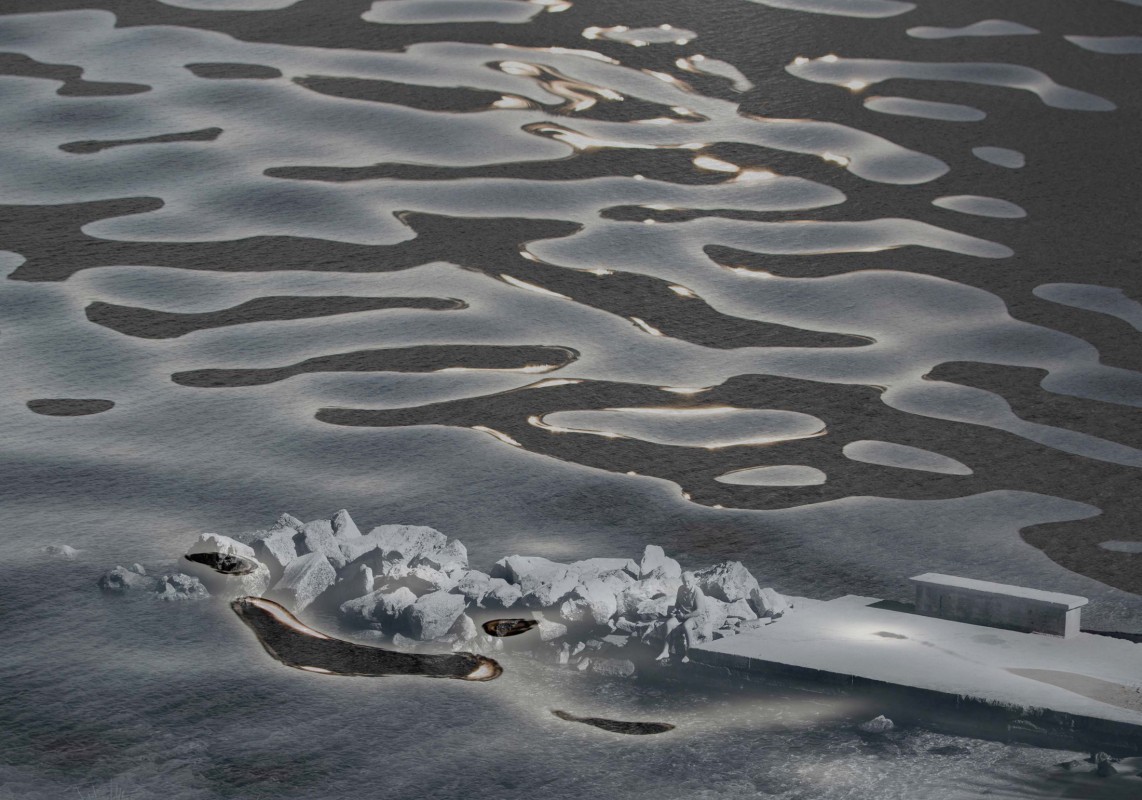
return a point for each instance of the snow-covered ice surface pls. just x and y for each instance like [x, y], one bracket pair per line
[987, 27]
[1101, 299]
[189, 706]
[983, 206]
[264, 255]
[925, 109]
[1023, 670]
[1113, 45]
[1001, 156]
[889, 454]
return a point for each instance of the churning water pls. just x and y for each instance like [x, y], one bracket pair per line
[844, 289]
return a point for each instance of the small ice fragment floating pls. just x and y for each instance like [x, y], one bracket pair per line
[297, 645]
[224, 563]
[508, 627]
[618, 726]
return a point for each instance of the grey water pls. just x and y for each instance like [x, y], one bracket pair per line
[844, 289]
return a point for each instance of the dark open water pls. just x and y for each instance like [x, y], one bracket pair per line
[551, 278]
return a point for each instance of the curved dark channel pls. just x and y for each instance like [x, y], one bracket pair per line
[852, 413]
[461, 100]
[469, 242]
[1022, 388]
[429, 358]
[74, 84]
[490, 246]
[148, 323]
[455, 100]
[618, 726]
[229, 71]
[845, 290]
[296, 645]
[97, 145]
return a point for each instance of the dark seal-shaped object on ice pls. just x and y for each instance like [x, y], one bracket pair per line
[508, 627]
[297, 645]
[618, 726]
[225, 563]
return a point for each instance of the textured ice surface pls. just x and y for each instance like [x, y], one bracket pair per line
[1114, 45]
[888, 454]
[871, 9]
[812, 276]
[1100, 299]
[987, 27]
[981, 206]
[866, 71]
[1001, 156]
[925, 109]
[780, 475]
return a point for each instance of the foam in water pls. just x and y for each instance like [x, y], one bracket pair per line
[987, 27]
[1121, 547]
[889, 454]
[231, 5]
[781, 475]
[1113, 45]
[924, 109]
[702, 65]
[867, 71]
[709, 427]
[641, 37]
[867, 9]
[981, 206]
[414, 12]
[1001, 156]
[1100, 299]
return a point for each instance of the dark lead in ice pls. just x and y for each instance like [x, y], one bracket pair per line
[69, 407]
[618, 726]
[508, 627]
[225, 563]
[297, 645]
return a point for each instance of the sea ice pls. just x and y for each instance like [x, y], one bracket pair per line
[543, 583]
[304, 580]
[61, 551]
[434, 614]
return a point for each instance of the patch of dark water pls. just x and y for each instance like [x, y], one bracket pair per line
[74, 85]
[228, 71]
[297, 645]
[89, 146]
[69, 407]
[477, 243]
[147, 323]
[454, 100]
[427, 358]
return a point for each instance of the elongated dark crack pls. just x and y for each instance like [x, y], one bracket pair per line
[69, 407]
[618, 726]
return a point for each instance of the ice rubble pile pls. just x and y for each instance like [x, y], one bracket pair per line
[413, 584]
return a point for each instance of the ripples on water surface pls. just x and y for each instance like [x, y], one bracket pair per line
[842, 288]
